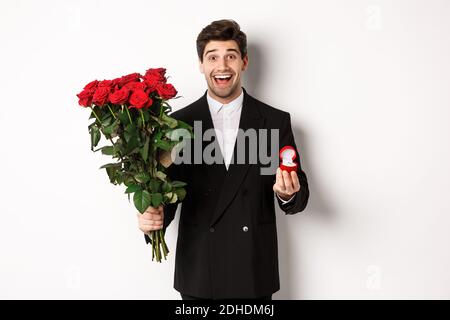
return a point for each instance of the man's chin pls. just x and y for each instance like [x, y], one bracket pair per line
[223, 93]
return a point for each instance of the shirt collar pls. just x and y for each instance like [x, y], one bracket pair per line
[216, 106]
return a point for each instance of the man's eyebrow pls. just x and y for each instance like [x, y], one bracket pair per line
[233, 50]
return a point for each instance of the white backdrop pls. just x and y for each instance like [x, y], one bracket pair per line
[366, 82]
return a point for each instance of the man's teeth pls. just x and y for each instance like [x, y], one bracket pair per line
[222, 77]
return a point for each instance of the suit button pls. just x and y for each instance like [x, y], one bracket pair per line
[211, 229]
[245, 228]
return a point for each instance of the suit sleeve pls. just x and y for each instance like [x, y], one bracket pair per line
[300, 200]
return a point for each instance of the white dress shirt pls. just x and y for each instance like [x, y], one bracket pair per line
[226, 119]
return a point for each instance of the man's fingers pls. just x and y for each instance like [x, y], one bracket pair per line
[279, 182]
[151, 219]
[147, 229]
[288, 182]
[150, 225]
[151, 216]
[295, 181]
[150, 222]
[152, 210]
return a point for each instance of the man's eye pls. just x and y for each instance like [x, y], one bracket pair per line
[212, 58]
[231, 56]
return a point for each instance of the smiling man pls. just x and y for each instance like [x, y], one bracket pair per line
[227, 236]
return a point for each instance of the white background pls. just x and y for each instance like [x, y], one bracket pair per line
[366, 82]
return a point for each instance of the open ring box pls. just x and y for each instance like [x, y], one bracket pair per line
[287, 156]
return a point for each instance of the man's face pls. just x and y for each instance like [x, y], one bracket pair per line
[222, 66]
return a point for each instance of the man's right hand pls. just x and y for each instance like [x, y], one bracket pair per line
[152, 219]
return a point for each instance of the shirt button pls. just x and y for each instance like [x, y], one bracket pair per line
[245, 228]
[211, 229]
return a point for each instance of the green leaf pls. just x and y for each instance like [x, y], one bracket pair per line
[181, 193]
[156, 119]
[111, 171]
[171, 134]
[132, 145]
[123, 117]
[144, 150]
[154, 185]
[108, 150]
[156, 199]
[106, 119]
[161, 175]
[166, 187]
[171, 122]
[95, 137]
[119, 177]
[129, 180]
[110, 165]
[184, 125]
[142, 177]
[130, 130]
[142, 200]
[112, 128]
[133, 188]
[164, 145]
[178, 184]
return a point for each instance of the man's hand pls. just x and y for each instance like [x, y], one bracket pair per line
[152, 219]
[286, 184]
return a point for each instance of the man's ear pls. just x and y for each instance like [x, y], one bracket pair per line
[200, 66]
[245, 62]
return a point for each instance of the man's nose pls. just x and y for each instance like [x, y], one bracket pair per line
[223, 64]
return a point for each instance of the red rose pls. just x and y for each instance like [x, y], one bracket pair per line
[101, 95]
[135, 86]
[166, 91]
[106, 84]
[133, 77]
[151, 83]
[91, 85]
[157, 74]
[85, 98]
[116, 83]
[119, 96]
[139, 99]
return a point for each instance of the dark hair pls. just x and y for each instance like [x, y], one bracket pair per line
[221, 30]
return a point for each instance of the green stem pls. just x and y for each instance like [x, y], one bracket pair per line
[153, 244]
[161, 109]
[163, 244]
[142, 115]
[96, 115]
[112, 112]
[129, 117]
[158, 250]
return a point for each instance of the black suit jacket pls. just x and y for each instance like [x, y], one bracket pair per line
[227, 235]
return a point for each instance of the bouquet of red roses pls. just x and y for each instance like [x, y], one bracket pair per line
[131, 112]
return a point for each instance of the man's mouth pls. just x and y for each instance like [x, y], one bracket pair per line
[222, 79]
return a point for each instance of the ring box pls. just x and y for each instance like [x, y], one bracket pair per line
[287, 156]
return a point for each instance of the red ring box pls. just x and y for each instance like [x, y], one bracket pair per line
[287, 156]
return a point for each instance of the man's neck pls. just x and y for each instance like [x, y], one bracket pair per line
[228, 99]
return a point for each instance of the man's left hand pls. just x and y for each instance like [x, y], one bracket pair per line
[286, 185]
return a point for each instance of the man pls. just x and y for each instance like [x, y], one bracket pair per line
[227, 236]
